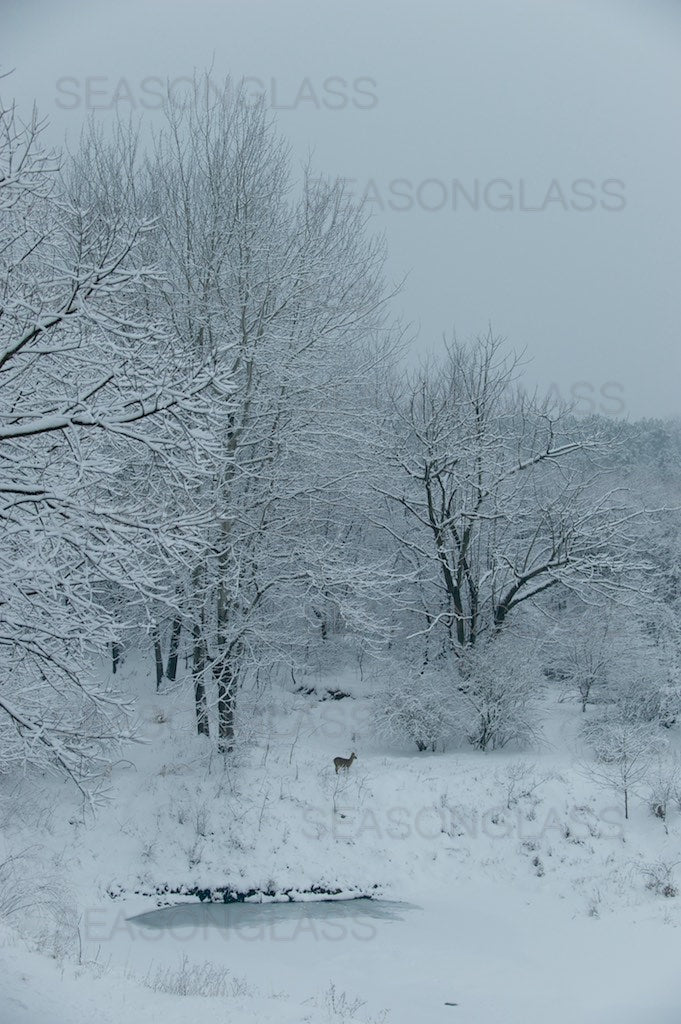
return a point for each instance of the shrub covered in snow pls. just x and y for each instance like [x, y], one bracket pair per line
[489, 696]
[623, 751]
[194, 979]
[500, 688]
[660, 879]
[419, 706]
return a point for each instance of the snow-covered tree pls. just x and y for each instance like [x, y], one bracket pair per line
[279, 288]
[84, 390]
[496, 499]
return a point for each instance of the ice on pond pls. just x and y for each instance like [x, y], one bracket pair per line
[192, 917]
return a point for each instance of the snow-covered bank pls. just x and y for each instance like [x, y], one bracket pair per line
[530, 901]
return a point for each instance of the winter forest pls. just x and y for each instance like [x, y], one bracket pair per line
[245, 530]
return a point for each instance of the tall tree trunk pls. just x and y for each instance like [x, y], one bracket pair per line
[198, 670]
[199, 655]
[322, 623]
[226, 682]
[116, 652]
[175, 634]
[158, 657]
[224, 671]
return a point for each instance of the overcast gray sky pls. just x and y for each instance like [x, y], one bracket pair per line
[522, 157]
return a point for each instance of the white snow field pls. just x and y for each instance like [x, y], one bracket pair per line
[527, 897]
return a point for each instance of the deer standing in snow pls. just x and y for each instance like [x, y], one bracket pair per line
[343, 762]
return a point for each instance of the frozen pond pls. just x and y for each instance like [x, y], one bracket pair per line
[483, 953]
[187, 919]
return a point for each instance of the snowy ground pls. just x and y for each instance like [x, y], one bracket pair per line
[526, 889]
